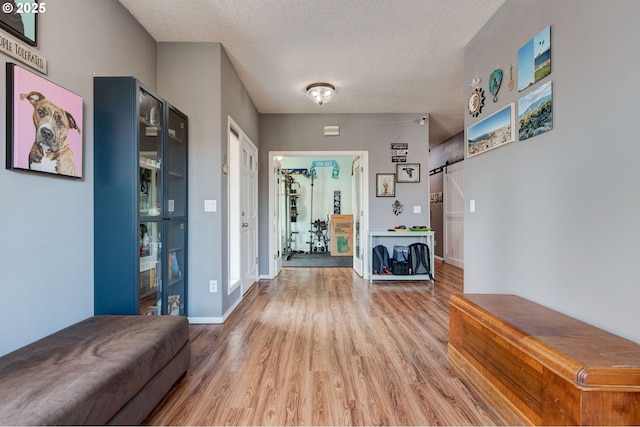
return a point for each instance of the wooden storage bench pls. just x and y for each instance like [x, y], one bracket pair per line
[549, 368]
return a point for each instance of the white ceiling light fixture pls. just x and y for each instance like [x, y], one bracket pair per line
[321, 93]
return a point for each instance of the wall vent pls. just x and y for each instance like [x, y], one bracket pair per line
[332, 131]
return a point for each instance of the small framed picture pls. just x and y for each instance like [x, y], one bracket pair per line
[408, 172]
[385, 185]
[20, 19]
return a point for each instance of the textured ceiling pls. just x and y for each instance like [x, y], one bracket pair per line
[383, 56]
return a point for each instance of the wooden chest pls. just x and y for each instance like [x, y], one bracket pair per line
[549, 368]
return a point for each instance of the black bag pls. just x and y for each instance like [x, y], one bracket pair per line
[420, 259]
[380, 260]
[400, 268]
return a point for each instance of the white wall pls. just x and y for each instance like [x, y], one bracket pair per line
[556, 215]
[46, 222]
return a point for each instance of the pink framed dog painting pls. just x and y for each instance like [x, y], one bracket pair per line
[44, 125]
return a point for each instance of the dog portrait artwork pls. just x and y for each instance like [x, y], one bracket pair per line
[44, 131]
[50, 151]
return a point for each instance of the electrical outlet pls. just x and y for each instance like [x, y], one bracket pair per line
[213, 286]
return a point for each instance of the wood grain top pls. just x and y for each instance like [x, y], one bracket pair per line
[590, 356]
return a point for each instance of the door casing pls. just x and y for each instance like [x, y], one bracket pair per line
[243, 266]
[273, 159]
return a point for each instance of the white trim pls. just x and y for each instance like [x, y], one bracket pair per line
[215, 320]
[234, 265]
[233, 285]
[205, 320]
[242, 138]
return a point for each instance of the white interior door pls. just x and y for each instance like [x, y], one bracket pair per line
[249, 212]
[454, 214]
[358, 214]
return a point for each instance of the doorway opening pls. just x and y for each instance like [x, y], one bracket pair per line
[317, 204]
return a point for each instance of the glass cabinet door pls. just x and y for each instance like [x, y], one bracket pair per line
[177, 165]
[150, 118]
[150, 137]
[150, 287]
[176, 262]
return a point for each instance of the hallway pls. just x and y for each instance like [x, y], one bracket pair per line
[321, 346]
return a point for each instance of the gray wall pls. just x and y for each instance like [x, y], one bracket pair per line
[46, 222]
[236, 104]
[556, 215]
[196, 92]
[201, 81]
[358, 132]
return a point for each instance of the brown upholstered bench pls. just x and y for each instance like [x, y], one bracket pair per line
[549, 368]
[103, 370]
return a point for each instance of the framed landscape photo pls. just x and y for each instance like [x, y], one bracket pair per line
[408, 172]
[535, 112]
[20, 18]
[494, 131]
[44, 123]
[385, 185]
[534, 59]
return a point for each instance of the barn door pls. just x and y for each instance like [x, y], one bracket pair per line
[454, 215]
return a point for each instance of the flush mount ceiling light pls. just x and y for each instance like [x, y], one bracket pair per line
[321, 93]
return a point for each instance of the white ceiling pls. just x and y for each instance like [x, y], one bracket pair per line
[383, 56]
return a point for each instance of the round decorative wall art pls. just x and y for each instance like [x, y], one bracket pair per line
[476, 102]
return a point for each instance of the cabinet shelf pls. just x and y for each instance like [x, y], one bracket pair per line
[145, 217]
[149, 164]
[146, 123]
[176, 139]
[175, 281]
[147, 293]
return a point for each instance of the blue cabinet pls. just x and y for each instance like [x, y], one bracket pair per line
[140, 200]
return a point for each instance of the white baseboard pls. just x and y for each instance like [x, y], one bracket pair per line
[214, 320]
[205, 320]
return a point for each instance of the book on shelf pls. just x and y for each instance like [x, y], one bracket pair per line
[174, 268]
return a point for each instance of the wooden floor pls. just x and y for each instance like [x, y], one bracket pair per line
[321, 346]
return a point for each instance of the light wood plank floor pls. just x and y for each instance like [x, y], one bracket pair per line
[321, 346]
